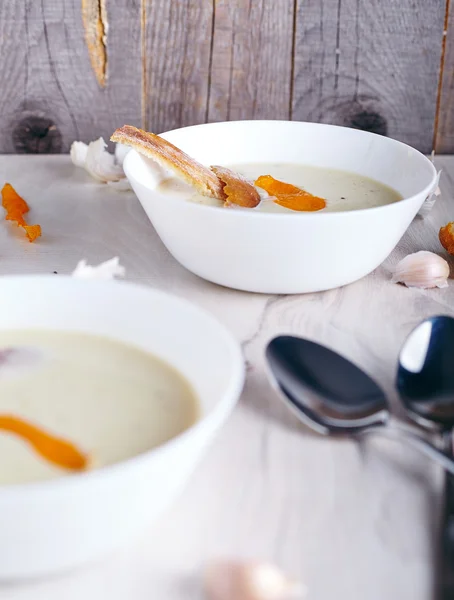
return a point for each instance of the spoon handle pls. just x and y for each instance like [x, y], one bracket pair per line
[446, 581]
[416, 441]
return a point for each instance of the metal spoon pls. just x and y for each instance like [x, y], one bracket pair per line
[425, 380]
[425, 377]
[333, 396]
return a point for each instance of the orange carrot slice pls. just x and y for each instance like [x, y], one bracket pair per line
[289, 195]
[56, 450]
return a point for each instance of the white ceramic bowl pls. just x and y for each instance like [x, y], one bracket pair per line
[285, 253]
[55, 525]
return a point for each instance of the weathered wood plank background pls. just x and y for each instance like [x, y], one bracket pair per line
[77, 69]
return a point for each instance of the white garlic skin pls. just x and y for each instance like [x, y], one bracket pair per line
[422, 270]
[106, 270]
[95, 159]
[234, 580]
[429, 202]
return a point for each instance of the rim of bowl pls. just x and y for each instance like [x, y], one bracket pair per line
[250, 212]
[215, 417]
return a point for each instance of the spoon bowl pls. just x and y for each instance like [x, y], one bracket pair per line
[333, 396]
[346, 401]
[425, 376]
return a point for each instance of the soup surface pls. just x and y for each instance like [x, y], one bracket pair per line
[111, 400]
[342, 190]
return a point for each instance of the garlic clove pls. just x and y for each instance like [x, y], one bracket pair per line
[106, 270]
[422, 270]
[228, 580]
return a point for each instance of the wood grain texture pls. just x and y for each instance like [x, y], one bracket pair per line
[162, 64]
[372, 65]
[251, 66]
[444, 134]
[177, 49]
[50, 96]
[366, 514]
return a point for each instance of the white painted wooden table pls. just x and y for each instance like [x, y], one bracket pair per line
[353, 521]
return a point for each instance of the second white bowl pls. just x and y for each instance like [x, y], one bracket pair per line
[55, 525]
[286, 253]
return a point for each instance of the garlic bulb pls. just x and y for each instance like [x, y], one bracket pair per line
[232, 580]
[423, 270]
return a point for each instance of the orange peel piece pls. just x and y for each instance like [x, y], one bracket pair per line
[289, 195]
[446, 237]
[16, 207]
[236, 188]
[54, 449]
[32, 232]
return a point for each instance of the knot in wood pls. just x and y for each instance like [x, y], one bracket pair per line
[36, 135]
[368, 121]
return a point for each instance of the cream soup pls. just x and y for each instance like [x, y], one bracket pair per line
[342, 190]
[111, 400]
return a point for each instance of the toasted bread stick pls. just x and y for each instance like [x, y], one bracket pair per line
[170, 157]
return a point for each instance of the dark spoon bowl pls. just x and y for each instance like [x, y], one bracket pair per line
[425, 376]
[338, 396]
[333, 396]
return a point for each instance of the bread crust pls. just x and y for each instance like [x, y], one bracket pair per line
[237, 189]
[170, 157]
